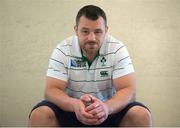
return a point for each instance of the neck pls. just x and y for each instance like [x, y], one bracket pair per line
[90, 55]
[91, 58]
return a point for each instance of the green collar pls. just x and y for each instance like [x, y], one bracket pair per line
[84, 58]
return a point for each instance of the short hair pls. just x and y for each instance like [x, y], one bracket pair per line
[91, 12]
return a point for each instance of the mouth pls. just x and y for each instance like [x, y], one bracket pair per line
[91, 43]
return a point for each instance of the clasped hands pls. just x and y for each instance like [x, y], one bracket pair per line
[90, 110]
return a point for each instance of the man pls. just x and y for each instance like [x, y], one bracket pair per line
[90, 80]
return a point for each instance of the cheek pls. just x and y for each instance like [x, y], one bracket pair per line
[81, 41]
[101, 39]
[82, 38]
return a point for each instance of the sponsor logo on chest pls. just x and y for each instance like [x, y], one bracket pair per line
[77, 63]
[104, 73]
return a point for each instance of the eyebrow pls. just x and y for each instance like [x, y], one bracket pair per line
[84, 28]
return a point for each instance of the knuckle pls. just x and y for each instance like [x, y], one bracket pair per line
[94, 105]
[83, 114]
[101, 115]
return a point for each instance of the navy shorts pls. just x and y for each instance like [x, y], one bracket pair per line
[68, 119]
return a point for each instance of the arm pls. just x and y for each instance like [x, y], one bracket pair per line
[54, 92]
[125, 94]
[125, 87]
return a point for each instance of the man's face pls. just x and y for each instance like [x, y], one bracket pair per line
[91, 34]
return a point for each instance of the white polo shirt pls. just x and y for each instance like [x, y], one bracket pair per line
[68, 64]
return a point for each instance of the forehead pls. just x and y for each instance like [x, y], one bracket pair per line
[88, 23]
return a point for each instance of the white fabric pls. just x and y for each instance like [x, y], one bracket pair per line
[66, 64]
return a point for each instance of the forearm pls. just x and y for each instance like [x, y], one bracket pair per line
[61, 99]
[120, 100]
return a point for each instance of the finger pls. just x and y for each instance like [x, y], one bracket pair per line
[96, 110]
[100, 115]
[87, 115]
[92, 106]
[83, 113]
[85, 98]
[94, 98]
[89, 121]
[100, 121]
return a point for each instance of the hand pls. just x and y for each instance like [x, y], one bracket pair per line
[83, 116]
[97, 108]
[86, 99]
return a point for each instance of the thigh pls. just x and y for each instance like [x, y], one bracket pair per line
[115, 119]
[69, 118]
[64, 118]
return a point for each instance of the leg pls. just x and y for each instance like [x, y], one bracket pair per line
[137, 116]
[43, 116]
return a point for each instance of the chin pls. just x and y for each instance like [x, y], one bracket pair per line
[91, 50]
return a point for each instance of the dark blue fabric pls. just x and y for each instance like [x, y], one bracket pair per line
[68, 119]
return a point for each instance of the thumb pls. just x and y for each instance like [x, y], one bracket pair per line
[93, 98]
[86, 98]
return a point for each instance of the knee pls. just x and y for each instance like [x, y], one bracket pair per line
[140, 114]
[42, 112]
[139, 111]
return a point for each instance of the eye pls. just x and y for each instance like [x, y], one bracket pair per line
[84, 32]
[98, 32]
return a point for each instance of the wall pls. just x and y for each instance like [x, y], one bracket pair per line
[30, 29]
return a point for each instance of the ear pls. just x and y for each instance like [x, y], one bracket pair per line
[106, 29]
[76, 29]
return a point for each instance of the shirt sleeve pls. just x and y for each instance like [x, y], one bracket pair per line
[123, 64]
[57, 65]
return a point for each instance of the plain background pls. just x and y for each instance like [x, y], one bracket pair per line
[30, 30]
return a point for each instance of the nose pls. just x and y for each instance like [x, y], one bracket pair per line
[91, 36]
